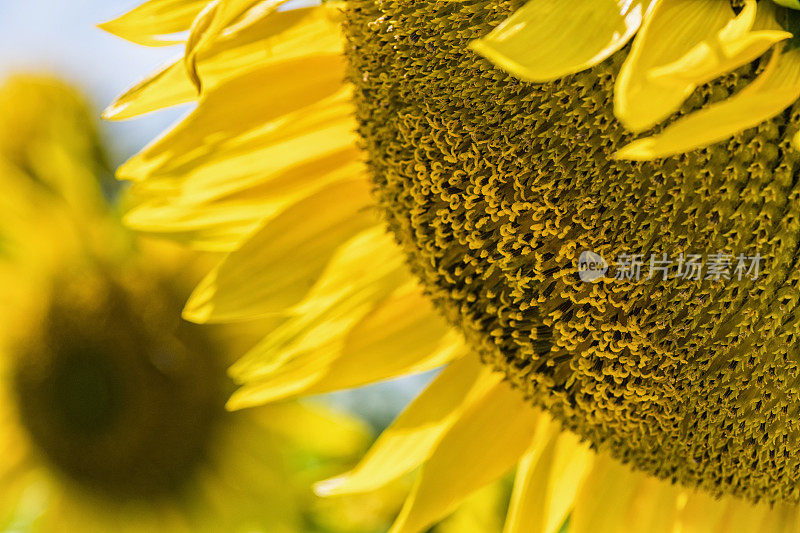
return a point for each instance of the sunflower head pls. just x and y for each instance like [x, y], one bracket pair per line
[495, 186]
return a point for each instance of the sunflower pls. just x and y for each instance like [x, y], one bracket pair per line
[111, 408]
[630, 129]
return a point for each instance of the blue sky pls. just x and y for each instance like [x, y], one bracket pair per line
[60, 37]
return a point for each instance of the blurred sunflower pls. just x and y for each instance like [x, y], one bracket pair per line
[111, 408]
[491, 187]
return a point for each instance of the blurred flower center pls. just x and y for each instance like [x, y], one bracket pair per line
[114, 402]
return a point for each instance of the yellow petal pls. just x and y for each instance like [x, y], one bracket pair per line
[631, 501]
[654, 506]
[737, 45]
[211, 187]
[743, 517]
[681, 46]
[275, 268]
[548, 39]
[269, 40]
[211, 22]
[218, 227]
[291, 145]
[403, 335]
[698, 512]
[154, 23]
[774, 90]
[607, 513]
[527, 510]
[230, 115]
[364, 271]
[408, 442]
[223, 223]
[488, 440]
[480, 513]
[306, 374]
[780, 518]
[166, 87]
[548, 480]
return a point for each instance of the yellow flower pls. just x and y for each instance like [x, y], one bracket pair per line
[111, 408]
[493, 187]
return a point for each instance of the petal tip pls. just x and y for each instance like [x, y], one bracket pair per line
[330, 487]
[113, 112]
[196, 313]
[636, 151]
[237, 402]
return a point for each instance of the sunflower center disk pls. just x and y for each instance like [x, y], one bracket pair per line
[111, 401]
[496, 188]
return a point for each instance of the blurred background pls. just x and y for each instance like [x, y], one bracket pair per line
[61, 39]
[57, 73]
